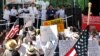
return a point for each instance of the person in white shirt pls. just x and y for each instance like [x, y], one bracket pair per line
[26, 15]
[23, 47]
[43, 10]
[38, 41]
[21, 32]
[20, 15]
[25, 9]
[14, 11]
[13, 15]
[6, 15]
[61, 12]
[20, 10]
[57, 11]
[33, 12]
[38, 18]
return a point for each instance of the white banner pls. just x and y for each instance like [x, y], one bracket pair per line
[19, 1]
[49, 39]
[48, 33]
[10, 1]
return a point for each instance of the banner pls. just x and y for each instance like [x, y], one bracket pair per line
[48, 32]
[49, 39]
[10, 1]
[94, 21]
[59, 22]
[19, 1]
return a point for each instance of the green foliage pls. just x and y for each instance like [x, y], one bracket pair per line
[80, 3]
[83, 3]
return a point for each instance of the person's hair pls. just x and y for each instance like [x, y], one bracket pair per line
[38, 32]
[32, 4]
[50, 5]
[15, 53]
[26, 29]
[5, 7]
[31, 28]
[14, 7]
[62, 6]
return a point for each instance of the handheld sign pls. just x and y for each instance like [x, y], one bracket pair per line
[59, 22]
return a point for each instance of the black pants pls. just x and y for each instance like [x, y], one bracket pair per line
[42, 55]
[39, 23]
[50, 18]
[70, 21]
[12, 20]
[21, 21]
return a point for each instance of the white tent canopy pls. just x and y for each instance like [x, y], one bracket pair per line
[18, 1]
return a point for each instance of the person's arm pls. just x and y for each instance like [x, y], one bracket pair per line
[19, 43]
[37, 51]
[4, 54]
[16, 13]
[1, 34]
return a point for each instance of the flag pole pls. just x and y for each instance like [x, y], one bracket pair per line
[89, 12]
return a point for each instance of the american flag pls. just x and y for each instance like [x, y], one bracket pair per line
[81, 46]
[14, 30]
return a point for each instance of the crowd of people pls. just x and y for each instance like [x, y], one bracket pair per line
[33, 12]
[41, 13]
[28, 41]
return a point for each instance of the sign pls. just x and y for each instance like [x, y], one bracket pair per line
[59, 22]
[49, 39]
[65, 45]
[93, 47]
[48, 33]
[94, 21]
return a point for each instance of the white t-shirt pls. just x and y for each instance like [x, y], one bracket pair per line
[6, 14]
[25, 9]
[39, 45]
[22, 49]
[43, 14]
[14, 12]
[33, 10]
[20, 10]
[38, 41]
[21, 32]
[61, 13]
